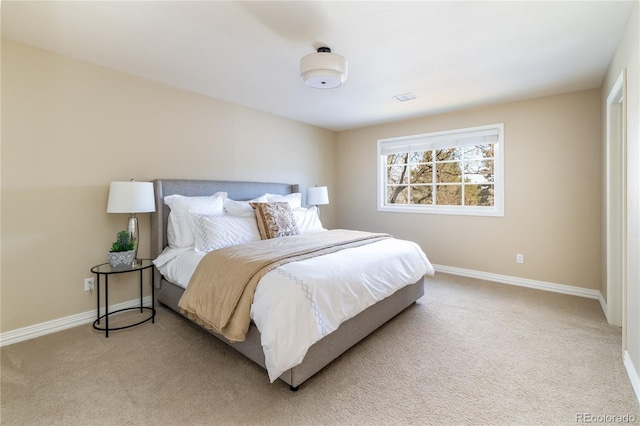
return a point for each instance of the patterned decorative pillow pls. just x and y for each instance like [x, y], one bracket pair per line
[275, 220]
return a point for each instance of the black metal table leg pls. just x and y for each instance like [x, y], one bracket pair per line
[141, 310]
[98, 298]
[153, 297]
[106, 306]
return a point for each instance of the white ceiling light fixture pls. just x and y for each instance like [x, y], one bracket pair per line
[323, 70]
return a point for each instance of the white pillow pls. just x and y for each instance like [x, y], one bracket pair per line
[242, 208]
[308, 220]
[294, 200]
[216, 232]
[179, 232]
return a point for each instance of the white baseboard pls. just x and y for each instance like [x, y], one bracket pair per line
[521, 282]
[547, 286]
[633, 374]
[603, 305]
[33, 331]
[53, 326]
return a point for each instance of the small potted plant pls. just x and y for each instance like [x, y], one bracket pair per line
[122, 251]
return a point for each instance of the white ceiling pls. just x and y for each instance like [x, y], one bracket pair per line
[450, 54]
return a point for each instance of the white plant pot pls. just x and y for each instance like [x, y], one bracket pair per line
[121, 259]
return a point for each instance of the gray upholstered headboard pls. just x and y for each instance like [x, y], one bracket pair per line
[191, 188]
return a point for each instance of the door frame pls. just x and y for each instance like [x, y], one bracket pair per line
[616, 205]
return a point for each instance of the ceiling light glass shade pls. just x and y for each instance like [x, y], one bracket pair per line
[131, 197]
[323, 70]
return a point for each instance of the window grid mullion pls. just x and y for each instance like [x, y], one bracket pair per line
[464, 149]
[409, 179]
[433, 177]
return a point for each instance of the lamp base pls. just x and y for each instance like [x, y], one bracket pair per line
[134, 235]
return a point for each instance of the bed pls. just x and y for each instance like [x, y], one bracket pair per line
[320, 353]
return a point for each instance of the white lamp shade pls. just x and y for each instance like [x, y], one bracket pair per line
[323, 70]
[131, 197]
[317, 195]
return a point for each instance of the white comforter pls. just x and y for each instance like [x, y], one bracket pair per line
[297, 304]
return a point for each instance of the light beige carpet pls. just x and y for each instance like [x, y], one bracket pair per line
[469, 352]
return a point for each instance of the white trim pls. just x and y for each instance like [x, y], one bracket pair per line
[547, 286]
[438, 140]
[48, 327]
[633, 374]
[33, 331]
[603, 305]
[521, 282]
[615, 217]
[450, 210]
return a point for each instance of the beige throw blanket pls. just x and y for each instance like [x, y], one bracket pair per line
[220, 292]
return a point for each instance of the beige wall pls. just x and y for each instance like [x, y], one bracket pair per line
[69, 128]
[627, 57]
[552, 192]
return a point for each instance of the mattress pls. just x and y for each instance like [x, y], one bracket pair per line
[297, 304]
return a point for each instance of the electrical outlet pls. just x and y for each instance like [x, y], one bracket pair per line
[519, 258]
[89, 284]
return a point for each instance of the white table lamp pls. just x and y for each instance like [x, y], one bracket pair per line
[317, 196]
[131, 197]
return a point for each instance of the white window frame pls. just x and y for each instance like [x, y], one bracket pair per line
[439, 140]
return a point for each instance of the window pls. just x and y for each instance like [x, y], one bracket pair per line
[451, 172]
